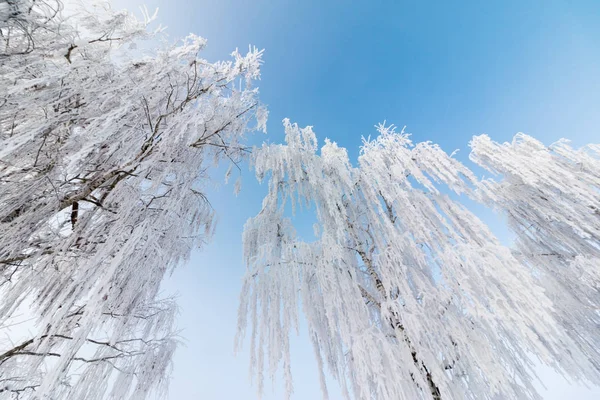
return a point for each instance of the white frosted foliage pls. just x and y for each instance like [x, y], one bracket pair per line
[551, 199]
[407, 294]
[103, 163]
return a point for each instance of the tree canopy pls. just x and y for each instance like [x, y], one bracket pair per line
[104, 155]
[406, 293]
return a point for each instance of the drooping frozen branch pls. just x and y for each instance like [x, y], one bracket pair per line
[550, 197]
[406, 293]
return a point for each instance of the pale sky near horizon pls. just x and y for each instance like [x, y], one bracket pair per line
[446, 71]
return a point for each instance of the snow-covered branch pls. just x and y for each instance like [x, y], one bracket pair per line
[103, 166]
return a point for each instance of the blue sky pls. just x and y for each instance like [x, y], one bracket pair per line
[447, 70]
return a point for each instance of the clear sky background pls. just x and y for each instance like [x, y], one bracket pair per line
[447, 70]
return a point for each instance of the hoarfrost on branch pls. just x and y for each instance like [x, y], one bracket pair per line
[406, 293]
[103, 160]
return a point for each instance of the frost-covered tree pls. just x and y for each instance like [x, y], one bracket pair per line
[135, 362]
[551, 199]
[103, 161]
[406, 294]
